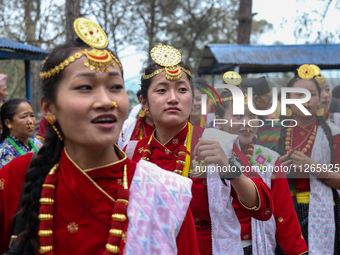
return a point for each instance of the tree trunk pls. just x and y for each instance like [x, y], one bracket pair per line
[244, 22]
[72, 11]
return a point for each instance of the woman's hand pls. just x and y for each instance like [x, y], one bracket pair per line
[211, 152]
[300, 160]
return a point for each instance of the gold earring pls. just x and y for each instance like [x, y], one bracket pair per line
[9, 126]
[115, 104]
[289, 112]
[147, 112]
[320, 112]
[142, 113]
[123, 139]
[51, 121]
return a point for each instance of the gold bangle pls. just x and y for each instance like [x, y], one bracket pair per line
[45, 249]
[43, 233]
[46, 201]
[48, 186]
[124, 201]
[116, 232]
[112, 248]
[43, 217]
[119, 217]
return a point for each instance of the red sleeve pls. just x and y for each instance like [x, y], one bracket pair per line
[265, 209]
[12, 177]
[288, 232]
[186, 239]
[42, 127]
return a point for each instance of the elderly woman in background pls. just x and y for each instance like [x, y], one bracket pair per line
[17, 119]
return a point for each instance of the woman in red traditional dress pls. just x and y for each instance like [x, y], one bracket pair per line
[167, 94]
[283, 227]
[310, 146]
[81, 194]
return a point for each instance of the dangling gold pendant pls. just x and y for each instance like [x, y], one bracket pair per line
[98, 60]
[173, 73]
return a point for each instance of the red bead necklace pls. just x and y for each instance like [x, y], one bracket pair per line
[47, 209]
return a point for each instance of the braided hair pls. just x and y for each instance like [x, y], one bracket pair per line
[320, 119]
[49, 154]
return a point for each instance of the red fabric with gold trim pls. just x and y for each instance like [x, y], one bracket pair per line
[199, 204]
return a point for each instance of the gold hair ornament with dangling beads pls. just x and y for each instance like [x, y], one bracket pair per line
[51, 121]
[169, 58]
[97, 59]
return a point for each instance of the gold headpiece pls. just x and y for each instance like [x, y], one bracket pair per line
[307, 72]
[320, 79]
[97, 59]
[169, 58]
[232, 78]
[225, 99]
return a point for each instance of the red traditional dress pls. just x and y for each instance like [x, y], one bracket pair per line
[285, 229]
[134, 129]
[310, 206]
[166, 156]
[84, 202]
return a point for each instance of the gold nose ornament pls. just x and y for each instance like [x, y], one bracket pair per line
[30, 125]
[114, 103]
[248, 129]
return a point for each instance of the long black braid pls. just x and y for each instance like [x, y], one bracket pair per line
[320, 119]
[49, 154]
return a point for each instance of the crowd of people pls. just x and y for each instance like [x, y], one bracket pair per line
[96, 180]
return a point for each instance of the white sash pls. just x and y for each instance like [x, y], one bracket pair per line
[158, 204]
[263, 232]
[321, 225]
[225, 227]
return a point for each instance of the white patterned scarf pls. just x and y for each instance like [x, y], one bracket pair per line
[225, 227]
[321, 224]
[158, 203]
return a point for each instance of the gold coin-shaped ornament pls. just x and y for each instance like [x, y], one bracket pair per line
[306, 72]
[91, 33]
[165, 55]
[232, 78]
[316, 69]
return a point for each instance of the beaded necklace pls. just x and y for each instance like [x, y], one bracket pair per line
[183, 159]
[17, 147]
[290, 138]
[46, 214]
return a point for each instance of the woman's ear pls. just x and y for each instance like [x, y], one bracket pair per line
[144, 103]
[47, 109]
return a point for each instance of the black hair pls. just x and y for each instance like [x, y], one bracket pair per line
[49, 154]
[320, 119]
[138, 94]
[220, 109]
[2, 100]
[152, 66]
[8, 110]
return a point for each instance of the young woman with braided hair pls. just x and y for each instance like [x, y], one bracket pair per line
[311, 151]
[167, 94]
[81, 194]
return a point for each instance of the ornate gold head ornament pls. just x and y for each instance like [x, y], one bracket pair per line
[169, 58]
[225, 99]
[307, 72]
[97, 59]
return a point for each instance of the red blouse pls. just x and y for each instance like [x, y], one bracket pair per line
[165, 156]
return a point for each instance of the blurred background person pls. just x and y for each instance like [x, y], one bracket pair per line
[3, 88]
[138, 125]
[17, 118]
[336, 93]
[2, 101]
